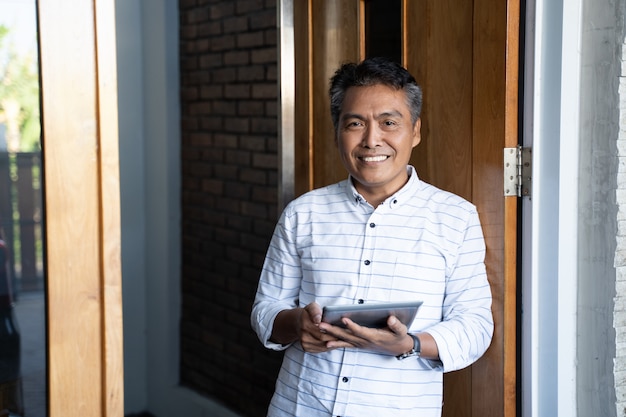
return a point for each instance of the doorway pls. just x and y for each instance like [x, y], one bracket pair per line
[466, 57]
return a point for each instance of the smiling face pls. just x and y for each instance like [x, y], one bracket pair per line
[375, 138]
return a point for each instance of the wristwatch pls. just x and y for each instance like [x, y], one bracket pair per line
[417, 349]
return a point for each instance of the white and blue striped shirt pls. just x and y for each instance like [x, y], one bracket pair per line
[332, 247]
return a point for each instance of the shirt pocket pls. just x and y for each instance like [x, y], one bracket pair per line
[328, 276]
[421, 277]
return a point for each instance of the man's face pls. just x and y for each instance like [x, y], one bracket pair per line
[375, 138]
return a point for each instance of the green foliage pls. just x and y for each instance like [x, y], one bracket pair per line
[19, 85]
[3, 33]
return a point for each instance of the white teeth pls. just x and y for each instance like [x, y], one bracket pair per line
[374, 158]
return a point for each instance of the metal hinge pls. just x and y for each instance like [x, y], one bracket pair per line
[517, 171]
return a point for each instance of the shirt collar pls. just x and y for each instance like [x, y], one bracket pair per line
[395, 200]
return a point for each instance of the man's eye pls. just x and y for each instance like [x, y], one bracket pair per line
[389, 123]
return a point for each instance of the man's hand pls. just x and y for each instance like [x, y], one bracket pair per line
[311, 338]
[305, 325]
[391, 340]
[302, 324]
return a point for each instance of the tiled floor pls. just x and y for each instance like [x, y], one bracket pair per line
[30, 317]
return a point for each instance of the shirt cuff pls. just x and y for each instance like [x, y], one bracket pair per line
[265, 325]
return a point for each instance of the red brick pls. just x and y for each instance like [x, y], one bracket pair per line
[252, 73]
[236, 91]
[250, 40]
[264, 56]
[247, 6]
[222, 43]
[265, 91]
[235, 24]
[250, 108]
[196, 15]
[264, 19]
[236, 58]
[222, 9]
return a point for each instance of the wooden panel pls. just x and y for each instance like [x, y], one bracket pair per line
[110, 238]
[71, 180]
[335, 40]
[303, 169]
[439, 55]
[79, 107]
[495, 84]
[489, 80]
[511, 139]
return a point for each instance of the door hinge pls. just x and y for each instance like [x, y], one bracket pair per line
[517, 171]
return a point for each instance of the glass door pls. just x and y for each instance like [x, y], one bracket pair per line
[22, 286]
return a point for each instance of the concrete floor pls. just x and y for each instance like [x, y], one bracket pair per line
[30, 317]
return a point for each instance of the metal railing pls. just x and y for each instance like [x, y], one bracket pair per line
[21, 217]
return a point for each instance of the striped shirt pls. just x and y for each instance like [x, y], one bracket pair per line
[332, 247]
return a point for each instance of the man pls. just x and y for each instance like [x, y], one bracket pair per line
[382, 235]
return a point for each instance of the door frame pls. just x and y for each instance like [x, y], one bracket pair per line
[78, 76]
[550, 224]
[504, 53]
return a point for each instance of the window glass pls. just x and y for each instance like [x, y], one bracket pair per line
[383, 29]
[22, 286]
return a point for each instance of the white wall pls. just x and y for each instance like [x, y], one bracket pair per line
[601, 40]
[162, 186]
[133, 200]
[149, 120]
[542, 380]
[147, 39]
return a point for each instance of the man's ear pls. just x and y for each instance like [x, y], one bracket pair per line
[417, 135]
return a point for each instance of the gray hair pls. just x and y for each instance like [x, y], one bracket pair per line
[373, 71]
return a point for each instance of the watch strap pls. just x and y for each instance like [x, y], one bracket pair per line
[417, 349]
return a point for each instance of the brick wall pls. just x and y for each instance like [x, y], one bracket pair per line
[228, 58]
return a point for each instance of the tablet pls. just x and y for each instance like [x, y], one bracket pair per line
[371, 315]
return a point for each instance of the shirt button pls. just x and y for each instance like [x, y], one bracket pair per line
[372, 225]
[345, 379]
[367, 262]
[361, 301]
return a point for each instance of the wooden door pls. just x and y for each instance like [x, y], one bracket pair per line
[82, 219]
[465, 56]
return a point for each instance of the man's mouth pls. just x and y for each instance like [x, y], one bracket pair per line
[377, 158]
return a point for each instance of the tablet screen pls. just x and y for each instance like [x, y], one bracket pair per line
[371, 315]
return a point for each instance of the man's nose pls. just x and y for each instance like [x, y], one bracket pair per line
[372, 137]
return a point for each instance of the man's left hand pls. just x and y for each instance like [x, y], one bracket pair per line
[391, 340]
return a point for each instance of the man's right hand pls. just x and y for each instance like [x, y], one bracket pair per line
[301, 324]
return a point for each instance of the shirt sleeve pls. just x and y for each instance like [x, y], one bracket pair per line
[465, 332]
[279, 283]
